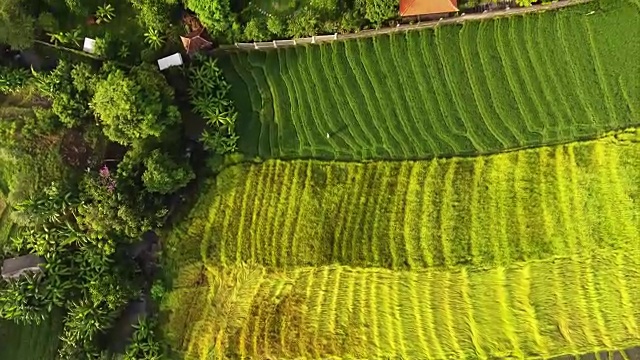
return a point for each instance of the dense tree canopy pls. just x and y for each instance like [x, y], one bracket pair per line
[17, 26]
[134, 106]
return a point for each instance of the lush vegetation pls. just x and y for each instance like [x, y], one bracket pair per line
[530, 253]
[537, 309]
[520, 254]
[481, 211]
[91, 156]
[478, 88]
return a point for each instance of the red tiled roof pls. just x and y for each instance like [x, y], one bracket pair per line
[427, 7]
[195, 41]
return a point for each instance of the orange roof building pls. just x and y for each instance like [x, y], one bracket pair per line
[427, 7]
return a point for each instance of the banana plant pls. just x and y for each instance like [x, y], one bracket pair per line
[154, 39]
[105, 13]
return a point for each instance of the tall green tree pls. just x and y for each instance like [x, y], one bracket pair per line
[216, 15]
[17, 25]
[134, 106]
[378, 11]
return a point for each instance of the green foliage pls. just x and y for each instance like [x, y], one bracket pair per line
[78, 7]
[69, 88]
[25, 300]
[105, 13]
[153, 14]
[144, 344]
[326, 6]
[108, 211]
[525, 3]
[69, 38]
[215, 15]
[51, 205]
[209, 94]
[304, 23]
[256, 30]
[134, 106]
[154, 39]
[276, 26]
[158, 290]
[378, 11]
[163, 175]
[48, 22]
[17, 26]
[85, 320]
[12, 80]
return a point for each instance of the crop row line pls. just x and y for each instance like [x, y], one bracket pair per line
[437, 213]
[523, 311]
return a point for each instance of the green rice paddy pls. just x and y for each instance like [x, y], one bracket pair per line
[481, 87]
[481, 211]
[30, 342]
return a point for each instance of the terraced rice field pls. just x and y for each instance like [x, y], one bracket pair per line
[479, 88]
[482, 211]
[533, 310]
[531, 253]
[30, 342]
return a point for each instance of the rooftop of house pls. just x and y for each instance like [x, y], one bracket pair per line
[427, 7]
[15, 267]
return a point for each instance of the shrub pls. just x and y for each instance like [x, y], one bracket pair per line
[525, 3]
[276, 26]
[144, 344]
[378, 11]
[48, 22]
[12, 79]
[216, 15]
[158, 290]
[17, 26]
[303, 23]
[256, 30]
[68, 103]
[105, 13]
[165, 176]
[153, 14]
[209, 97]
